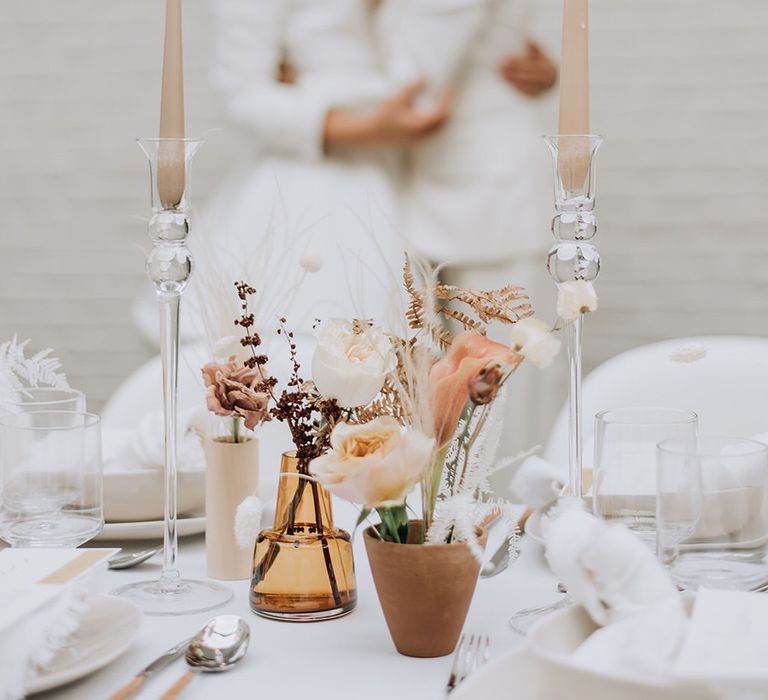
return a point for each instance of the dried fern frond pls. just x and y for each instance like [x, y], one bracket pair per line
[416, 307]
[38, 370]
[496, 305]
[387, 404]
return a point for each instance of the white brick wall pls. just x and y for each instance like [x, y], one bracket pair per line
[680, 88]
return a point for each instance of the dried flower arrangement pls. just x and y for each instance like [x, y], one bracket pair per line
[437, 418]
[386, 412]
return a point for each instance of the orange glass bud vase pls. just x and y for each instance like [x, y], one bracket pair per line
[303, 568]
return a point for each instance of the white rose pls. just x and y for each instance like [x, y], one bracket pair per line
[575, 298]
[534, 341]
[349, 364]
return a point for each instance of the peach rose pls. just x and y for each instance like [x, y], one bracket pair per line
[451, 377]
[374, 464]
[229, 391]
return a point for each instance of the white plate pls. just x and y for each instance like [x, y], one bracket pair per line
[508, 676]
[138, 496]
[106, 630]
[149, 529]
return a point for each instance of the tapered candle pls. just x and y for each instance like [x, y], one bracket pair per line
[573, 154]
[170, 160]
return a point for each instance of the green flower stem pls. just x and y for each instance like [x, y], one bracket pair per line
[394, 523]
[236, 429]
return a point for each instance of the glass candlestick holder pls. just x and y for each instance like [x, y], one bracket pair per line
[574, 257]
[169, 264]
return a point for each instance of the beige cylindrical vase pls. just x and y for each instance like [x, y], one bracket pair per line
[232, 474]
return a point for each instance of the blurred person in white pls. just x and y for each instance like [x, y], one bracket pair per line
[322, 128]
[477, 194]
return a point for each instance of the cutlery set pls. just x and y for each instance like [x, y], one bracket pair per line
[219, 645]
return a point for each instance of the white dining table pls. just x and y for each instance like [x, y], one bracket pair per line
[352, 657]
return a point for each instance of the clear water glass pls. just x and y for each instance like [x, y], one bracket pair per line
[45, 398]
[50, 478]
[624, 480]
[726, 545]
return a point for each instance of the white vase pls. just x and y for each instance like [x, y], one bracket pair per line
[232, 474]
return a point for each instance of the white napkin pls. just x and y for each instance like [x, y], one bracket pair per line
[537, 483]
[143, 448]
[644, 630]
[643, 645]
[624, 589]
[42, 596]
[728, 634]
[605, 567]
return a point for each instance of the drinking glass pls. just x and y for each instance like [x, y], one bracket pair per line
[50, 478]
[45, 398]
[624, 482]
[726, 545]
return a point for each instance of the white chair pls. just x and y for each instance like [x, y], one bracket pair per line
[728, 388]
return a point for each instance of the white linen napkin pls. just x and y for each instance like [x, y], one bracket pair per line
[143, 448]
[537, 483]
[42, 596]
[605, 567]
[728, 632]
[644, 631]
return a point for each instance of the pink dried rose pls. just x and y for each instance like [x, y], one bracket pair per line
[230, 391]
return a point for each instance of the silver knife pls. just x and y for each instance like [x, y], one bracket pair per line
[498, 562]
[168, 657]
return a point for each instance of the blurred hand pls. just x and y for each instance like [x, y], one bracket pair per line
[286, 73]
[532, 72]
[396, 122]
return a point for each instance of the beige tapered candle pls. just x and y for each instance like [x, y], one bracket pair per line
[170, 161]
[573, 155]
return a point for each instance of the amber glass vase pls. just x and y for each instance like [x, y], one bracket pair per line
[303, 569]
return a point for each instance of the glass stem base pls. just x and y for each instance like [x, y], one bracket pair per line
[182, 598]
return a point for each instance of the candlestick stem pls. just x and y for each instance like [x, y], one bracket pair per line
[575, 462]
[169, 335]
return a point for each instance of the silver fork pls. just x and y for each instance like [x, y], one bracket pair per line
[471, 653]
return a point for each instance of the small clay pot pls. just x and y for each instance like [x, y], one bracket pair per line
[425, 590]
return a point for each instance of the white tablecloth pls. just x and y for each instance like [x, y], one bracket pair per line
[352, 657]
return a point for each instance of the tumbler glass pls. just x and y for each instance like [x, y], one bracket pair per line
[726, 544]
[624, 482]
[44, 398]
[50, 478]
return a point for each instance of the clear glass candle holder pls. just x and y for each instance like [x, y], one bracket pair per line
[51, 483]
[574, 257]
[169, 265]
[712, 512]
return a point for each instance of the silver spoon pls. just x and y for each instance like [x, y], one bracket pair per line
[127, 560]
[215, 648]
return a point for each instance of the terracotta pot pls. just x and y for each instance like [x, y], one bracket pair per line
[425, 590]
[232, 474]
